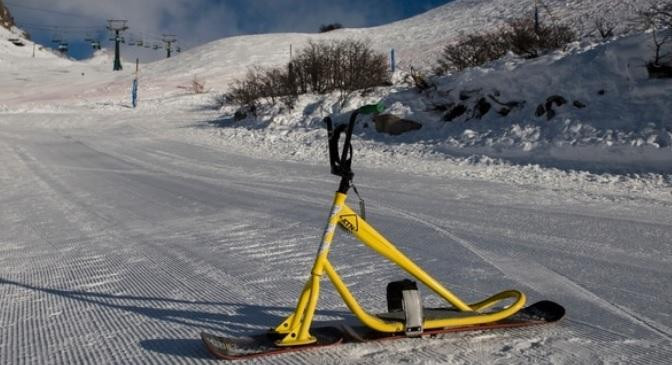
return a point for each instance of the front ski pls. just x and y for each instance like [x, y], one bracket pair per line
[542, 312]
[234, 348]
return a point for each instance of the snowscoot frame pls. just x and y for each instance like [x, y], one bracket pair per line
[296, 327]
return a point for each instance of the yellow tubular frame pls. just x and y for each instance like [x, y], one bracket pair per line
[296, 327]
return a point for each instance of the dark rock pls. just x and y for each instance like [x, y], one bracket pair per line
[659, 71]
[504, 111]
[467, 94]
[510, 104]
[391, 124]
[481, 109]
[455, 112]
[541, 110]
[550, 113]
[442, 107]
[579, 104]
[601, 92]
[239, 115]
[555, 99]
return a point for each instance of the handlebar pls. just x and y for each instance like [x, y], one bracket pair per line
[340, 165]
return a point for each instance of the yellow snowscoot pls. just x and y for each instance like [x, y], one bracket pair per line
[406, 317]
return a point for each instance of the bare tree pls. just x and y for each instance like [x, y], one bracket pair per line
[604, 26]
[657, 17]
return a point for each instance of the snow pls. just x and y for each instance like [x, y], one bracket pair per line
[126, 232]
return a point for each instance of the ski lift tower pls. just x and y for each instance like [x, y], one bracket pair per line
[117, 26]
[536, 17]
[169, 39]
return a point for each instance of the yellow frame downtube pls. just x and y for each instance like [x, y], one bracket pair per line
[301, 319]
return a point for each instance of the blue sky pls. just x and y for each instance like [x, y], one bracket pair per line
[197, 21]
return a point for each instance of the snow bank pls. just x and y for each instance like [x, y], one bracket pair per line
[614, 118]
[623, 128]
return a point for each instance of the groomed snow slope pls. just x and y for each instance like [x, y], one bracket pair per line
[126, 232]
[120, 244]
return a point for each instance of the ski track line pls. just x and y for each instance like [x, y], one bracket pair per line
[291, 359]
[40, 275]
[111, 319]
[160, 266]
[315, 201]
[510, 267]
[265, 189]
[167, 266]
[506, 268]
[502, 231]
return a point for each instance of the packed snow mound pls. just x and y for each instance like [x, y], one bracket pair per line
[593, 105]
[610, 111]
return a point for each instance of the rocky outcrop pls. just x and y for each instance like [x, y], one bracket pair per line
[455, 112]
[6, 19]
[481, 109]
[391, 124]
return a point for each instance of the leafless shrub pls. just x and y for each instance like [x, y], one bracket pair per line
[345, 65]
[519, 36]
[329, 27]
[525, 39]
[197, 86]
[419, 80]
[470, 51]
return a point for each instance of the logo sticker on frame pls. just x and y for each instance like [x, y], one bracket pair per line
[348, 225]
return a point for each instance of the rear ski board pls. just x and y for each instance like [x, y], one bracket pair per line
[539, 313]
[234, 348]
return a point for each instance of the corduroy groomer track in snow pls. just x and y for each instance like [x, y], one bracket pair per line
[126, 233]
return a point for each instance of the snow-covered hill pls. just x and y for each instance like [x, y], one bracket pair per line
[416, 40]
[614, 115]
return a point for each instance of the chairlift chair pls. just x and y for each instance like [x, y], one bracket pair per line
[63, 47]
[17, 42]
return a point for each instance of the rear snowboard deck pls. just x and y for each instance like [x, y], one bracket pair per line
[264, 344]
[542, 312]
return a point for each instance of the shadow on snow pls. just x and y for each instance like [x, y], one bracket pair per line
[233, 319]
